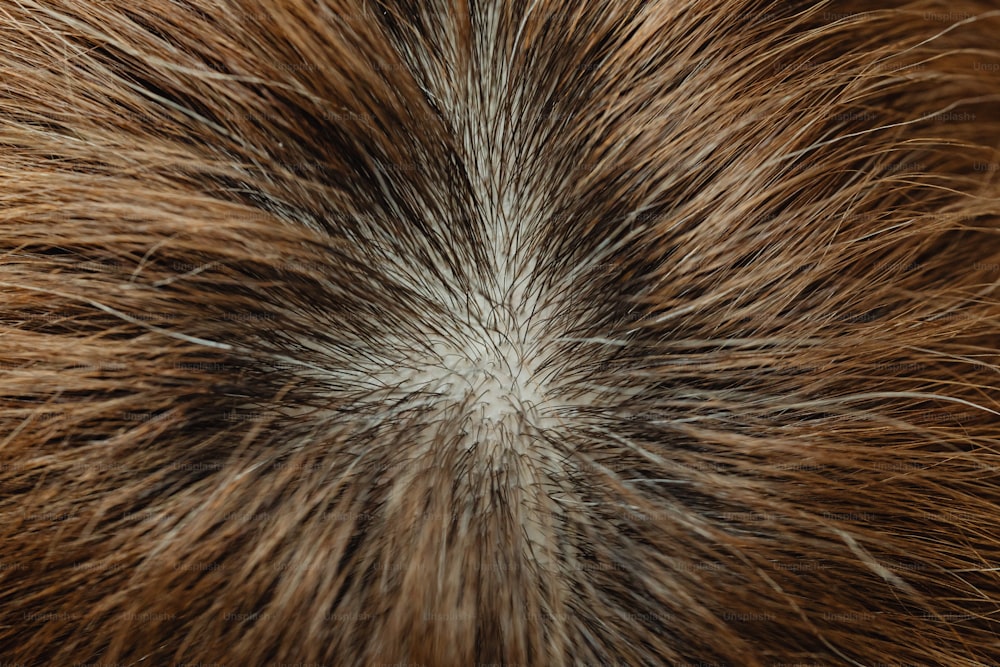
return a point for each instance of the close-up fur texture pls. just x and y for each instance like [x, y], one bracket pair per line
[520, 332]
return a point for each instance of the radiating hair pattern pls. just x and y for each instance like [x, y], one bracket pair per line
[470, 332]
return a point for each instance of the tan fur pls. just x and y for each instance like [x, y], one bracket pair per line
[534, 333]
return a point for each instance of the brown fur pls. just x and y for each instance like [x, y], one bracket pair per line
[536, 333]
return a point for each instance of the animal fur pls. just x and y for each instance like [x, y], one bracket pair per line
[532, 333]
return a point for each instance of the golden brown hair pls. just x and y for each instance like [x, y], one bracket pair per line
[452, 332]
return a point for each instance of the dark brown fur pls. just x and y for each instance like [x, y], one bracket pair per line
[535, 333]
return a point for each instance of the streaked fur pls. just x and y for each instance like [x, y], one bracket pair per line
[537, 333]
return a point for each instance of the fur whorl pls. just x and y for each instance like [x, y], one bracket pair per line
[456, 332]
